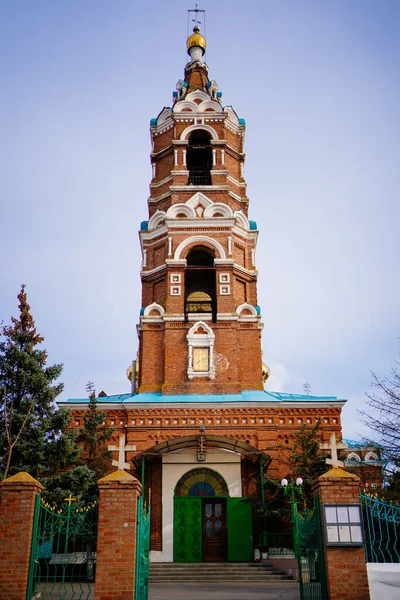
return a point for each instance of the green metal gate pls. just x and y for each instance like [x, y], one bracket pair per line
[142, 551]
[381, 530]
[63, 552]
[310, 554]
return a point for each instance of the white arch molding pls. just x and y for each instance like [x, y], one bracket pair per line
[181, 208]
[198, 239]
[186, 132]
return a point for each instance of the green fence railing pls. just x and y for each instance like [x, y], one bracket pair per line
[381, 530]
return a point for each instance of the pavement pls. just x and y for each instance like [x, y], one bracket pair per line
[224, 591]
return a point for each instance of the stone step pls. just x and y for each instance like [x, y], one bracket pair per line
[214, 570]
[215, 577]
[206, 566]
[208, 572]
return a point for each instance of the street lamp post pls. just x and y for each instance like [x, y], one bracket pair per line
[293, 490]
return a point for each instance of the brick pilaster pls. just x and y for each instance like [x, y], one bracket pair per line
[116, 542]
[346, 569]
[17, 506]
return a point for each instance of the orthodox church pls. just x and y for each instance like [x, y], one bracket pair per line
[198, 428]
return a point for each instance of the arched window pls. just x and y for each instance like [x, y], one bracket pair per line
[199, 157]
[200, 286]
[201, 482]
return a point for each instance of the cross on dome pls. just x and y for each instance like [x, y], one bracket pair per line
[121, 449]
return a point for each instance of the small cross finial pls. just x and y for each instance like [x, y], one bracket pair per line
[196, 10]
[70, 499]
[307, 387]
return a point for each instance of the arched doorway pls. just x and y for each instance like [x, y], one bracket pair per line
[200, 511]
[210, 490]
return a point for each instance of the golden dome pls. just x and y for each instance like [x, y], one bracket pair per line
[265, 371]
[196, 39]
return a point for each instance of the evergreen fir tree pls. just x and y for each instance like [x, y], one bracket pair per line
[94, 435]
[305, 458]
[32, 428]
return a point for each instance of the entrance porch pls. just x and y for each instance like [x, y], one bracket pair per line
[197, 487]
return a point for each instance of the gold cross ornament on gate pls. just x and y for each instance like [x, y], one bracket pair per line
[70, 500]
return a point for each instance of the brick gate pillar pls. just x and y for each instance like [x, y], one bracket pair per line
[17, 507]
[346, 568]
[116, 539]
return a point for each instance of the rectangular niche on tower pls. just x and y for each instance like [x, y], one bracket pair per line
[224, 277]
[175, 290]
[175, 278]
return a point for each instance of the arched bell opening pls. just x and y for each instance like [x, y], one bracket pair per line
[199, 158]
[200, 283]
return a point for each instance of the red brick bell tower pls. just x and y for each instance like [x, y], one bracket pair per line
[199, 330]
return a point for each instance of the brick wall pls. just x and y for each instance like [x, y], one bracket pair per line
[17, 504]
[116, 540]
[346, 568]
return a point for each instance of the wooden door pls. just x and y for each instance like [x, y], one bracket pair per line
[214, 529]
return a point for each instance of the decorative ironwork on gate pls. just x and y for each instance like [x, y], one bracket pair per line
[142, 551]
[310, 554]
[381, 530]
[63, 552]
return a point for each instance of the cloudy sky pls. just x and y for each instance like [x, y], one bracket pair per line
[318, 84]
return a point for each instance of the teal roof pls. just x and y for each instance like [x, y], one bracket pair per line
[245, 396]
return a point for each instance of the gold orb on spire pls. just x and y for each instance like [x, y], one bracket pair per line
[196, 39]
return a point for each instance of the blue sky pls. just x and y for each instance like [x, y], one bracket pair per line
[318, 84]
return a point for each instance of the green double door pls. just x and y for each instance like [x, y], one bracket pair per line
[212, 529]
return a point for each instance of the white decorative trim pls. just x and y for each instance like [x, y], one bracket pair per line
[224, 277]
[146, 274]
[184, 157]
[186, 132]
[226, 317]
[156, 184]
[224, 261]
[153, 170]
[372, 456]
[151, 307]
[353, 456]
[175, 290]
[201, 340]
[197, 316]
[175, 157]
[214, 156]
[224, 290]
[157, 219]
[147, 236]
[144, 262]
[247, 306]
[230, 245]
[232, 116]
[219, 207]
[200, 239]
[199, 198]
[222, 156]
[170, 246]
[175, 278]
[174, 317]
[181, 208]
[242, 220]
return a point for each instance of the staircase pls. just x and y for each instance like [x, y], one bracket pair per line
[209, 572]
